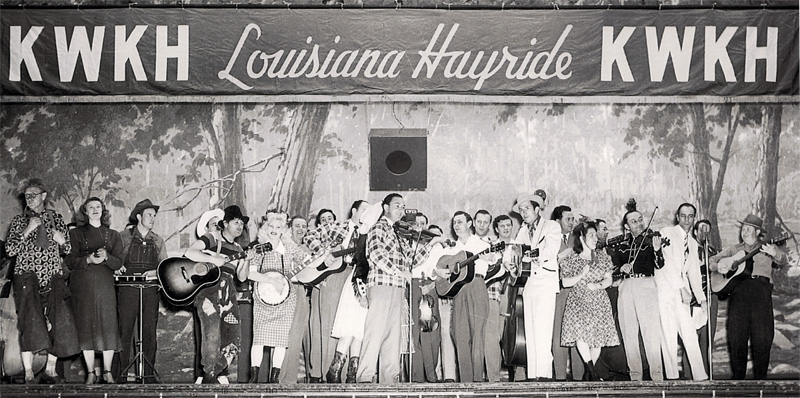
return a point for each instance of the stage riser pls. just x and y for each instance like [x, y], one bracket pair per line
[783, 388]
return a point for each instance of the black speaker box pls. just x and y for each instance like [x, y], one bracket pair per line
[398, 159]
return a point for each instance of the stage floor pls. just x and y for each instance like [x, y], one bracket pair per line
[724, 388]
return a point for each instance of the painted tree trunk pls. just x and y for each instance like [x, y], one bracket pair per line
[766, 183]
[703, 177]
[294, 187]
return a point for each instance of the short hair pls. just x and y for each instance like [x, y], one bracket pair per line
[497, 221]
[323, 211]
[468, 218]
[678, 211]
[599, 220]
[581, 230]
[355, 207]
[82, 218]
[436, 227]
[697, 226]
[483, 211]
[558, 212]
[34, 183]
[388, 199]
[420, 214]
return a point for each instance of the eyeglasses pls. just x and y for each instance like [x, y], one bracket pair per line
[31, 195]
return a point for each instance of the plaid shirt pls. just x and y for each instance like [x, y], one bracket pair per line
[330, 235]
[494, 290]
[389, 255]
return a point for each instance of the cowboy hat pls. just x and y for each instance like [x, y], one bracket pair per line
[753, 221]
[233, 212]
[526, 197]
[139, 208]
[369, 217]
[205, 218]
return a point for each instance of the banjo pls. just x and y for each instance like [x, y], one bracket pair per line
[275, 291]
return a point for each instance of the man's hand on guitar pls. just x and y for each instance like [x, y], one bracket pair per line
[770, 250]
[406, 275]
[219, 260]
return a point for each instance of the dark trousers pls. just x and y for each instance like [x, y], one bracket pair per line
[427, 353]
[35, 310]
[128, 306]
[750, 320]
[246, 330]
[468, 325]
[218, 313]
[560, 354]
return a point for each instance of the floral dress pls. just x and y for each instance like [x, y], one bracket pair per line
[587, 315]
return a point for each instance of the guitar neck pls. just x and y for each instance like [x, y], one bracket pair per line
[344, 252]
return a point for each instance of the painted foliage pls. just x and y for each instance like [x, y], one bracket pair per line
[729, 159]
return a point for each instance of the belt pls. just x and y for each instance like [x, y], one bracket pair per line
[760, 278]
[625, 276]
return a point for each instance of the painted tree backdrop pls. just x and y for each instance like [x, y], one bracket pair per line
[730, 159]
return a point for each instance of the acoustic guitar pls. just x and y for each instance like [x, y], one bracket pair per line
[524, 257]
[724, 284]
[462, 269]
[181, 279]
[312, 275]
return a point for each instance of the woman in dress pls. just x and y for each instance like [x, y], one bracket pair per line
[96, 254]
[588, 321]
[273, 269]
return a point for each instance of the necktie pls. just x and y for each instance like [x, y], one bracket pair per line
[685, 248]
[566, 239]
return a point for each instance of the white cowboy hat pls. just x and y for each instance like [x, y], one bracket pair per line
[369, 217]
[205, 218]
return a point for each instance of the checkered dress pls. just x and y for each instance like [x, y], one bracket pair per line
[271, 324]
[389, 255]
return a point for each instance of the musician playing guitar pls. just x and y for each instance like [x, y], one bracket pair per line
[750, 317]
[470, 304]
[216, 305]
[325, 295]
[539, 296]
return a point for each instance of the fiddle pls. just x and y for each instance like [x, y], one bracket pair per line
[407, 230]
[644, 239]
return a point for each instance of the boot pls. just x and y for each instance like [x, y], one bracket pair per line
[352, 369]
[334, 374]
[253, 375]
[589, 373]
[274, 375]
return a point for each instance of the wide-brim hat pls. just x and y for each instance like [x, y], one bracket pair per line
[139, 208]
[527, 198]
[202, 224]
[753, 221]
[233, 212]
[369, 217]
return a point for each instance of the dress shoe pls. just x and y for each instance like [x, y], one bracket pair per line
[315, 380]
[91, 378]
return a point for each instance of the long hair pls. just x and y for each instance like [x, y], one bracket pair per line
[81, 218]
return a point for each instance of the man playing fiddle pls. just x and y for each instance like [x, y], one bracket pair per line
[639, 255]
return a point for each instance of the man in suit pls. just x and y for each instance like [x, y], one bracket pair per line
[563, 216]
[541, 288]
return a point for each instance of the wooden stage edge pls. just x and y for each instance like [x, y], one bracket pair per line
[722, 388]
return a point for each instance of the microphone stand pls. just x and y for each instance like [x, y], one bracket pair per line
[708, 310]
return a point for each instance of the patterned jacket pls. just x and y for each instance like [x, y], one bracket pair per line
[389, 255]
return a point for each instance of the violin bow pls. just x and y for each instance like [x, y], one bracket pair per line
[638, 249]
